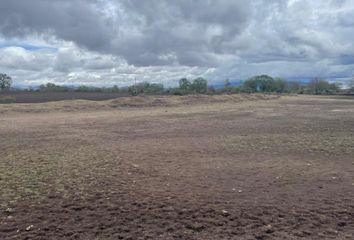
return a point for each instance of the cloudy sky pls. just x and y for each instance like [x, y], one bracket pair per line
[106, 42]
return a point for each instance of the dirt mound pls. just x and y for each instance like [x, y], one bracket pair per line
[168, 101]
[142, 101]
[131, 102]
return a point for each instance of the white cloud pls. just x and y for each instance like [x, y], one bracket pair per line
[71, 65]
[113, 42]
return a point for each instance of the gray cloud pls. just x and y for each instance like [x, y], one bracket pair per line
[73, 65]
[100, 39]
[74, 20]
[189, 31]
[150, 32]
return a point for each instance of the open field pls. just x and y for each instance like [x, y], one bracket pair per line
[192, 167]
[40, 97]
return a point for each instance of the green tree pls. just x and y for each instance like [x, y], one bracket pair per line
[265, 83]
[153, 88]
[261, 83]
[115, 89]
[134, 90]
[250, 85]
[84, 88]
[185, 84]
[145, 87]
[51, 87]
[280, 85]
[5, 82]
[199, 85]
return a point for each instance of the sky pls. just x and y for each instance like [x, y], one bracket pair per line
[118, 42]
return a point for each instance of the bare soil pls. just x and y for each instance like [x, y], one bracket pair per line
[195, 167]
[41, 97]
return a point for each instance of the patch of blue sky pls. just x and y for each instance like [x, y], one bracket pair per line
[28, 47]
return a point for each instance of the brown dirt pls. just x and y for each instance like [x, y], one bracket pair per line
[129, 102]
[41, 97]
[222, 167]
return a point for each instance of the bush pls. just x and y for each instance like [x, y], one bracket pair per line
[295, 87]
[199, 85]
[261, 83]
[145, 87]
[51, 87]
[5, 82]
[319, 86]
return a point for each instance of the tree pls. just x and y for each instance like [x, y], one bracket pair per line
[51, 87]
[145, 87]
[280, 85]
[261, 83]
[5, 82]
[227, 86]
[199, 85]
[154, 88]
[351, 83]
[295, 87]
[250, 86]
[115, 89]
[319, 86]
[184, 84]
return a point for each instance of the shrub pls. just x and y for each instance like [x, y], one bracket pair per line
[5, 82]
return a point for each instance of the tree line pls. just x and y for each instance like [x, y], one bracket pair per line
[256, 84]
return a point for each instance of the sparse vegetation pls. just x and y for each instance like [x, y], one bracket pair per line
[267, 84]
[51, 87]
[145, 87]
[319, 86]
[227, 86]
[84, 88]
[256, 84]
[198, 85]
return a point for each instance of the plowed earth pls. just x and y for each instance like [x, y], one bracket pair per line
[231, 167]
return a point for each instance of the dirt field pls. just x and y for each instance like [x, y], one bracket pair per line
[40, 97]
[221, 167]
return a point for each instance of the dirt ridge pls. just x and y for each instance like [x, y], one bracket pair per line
[132, 102]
